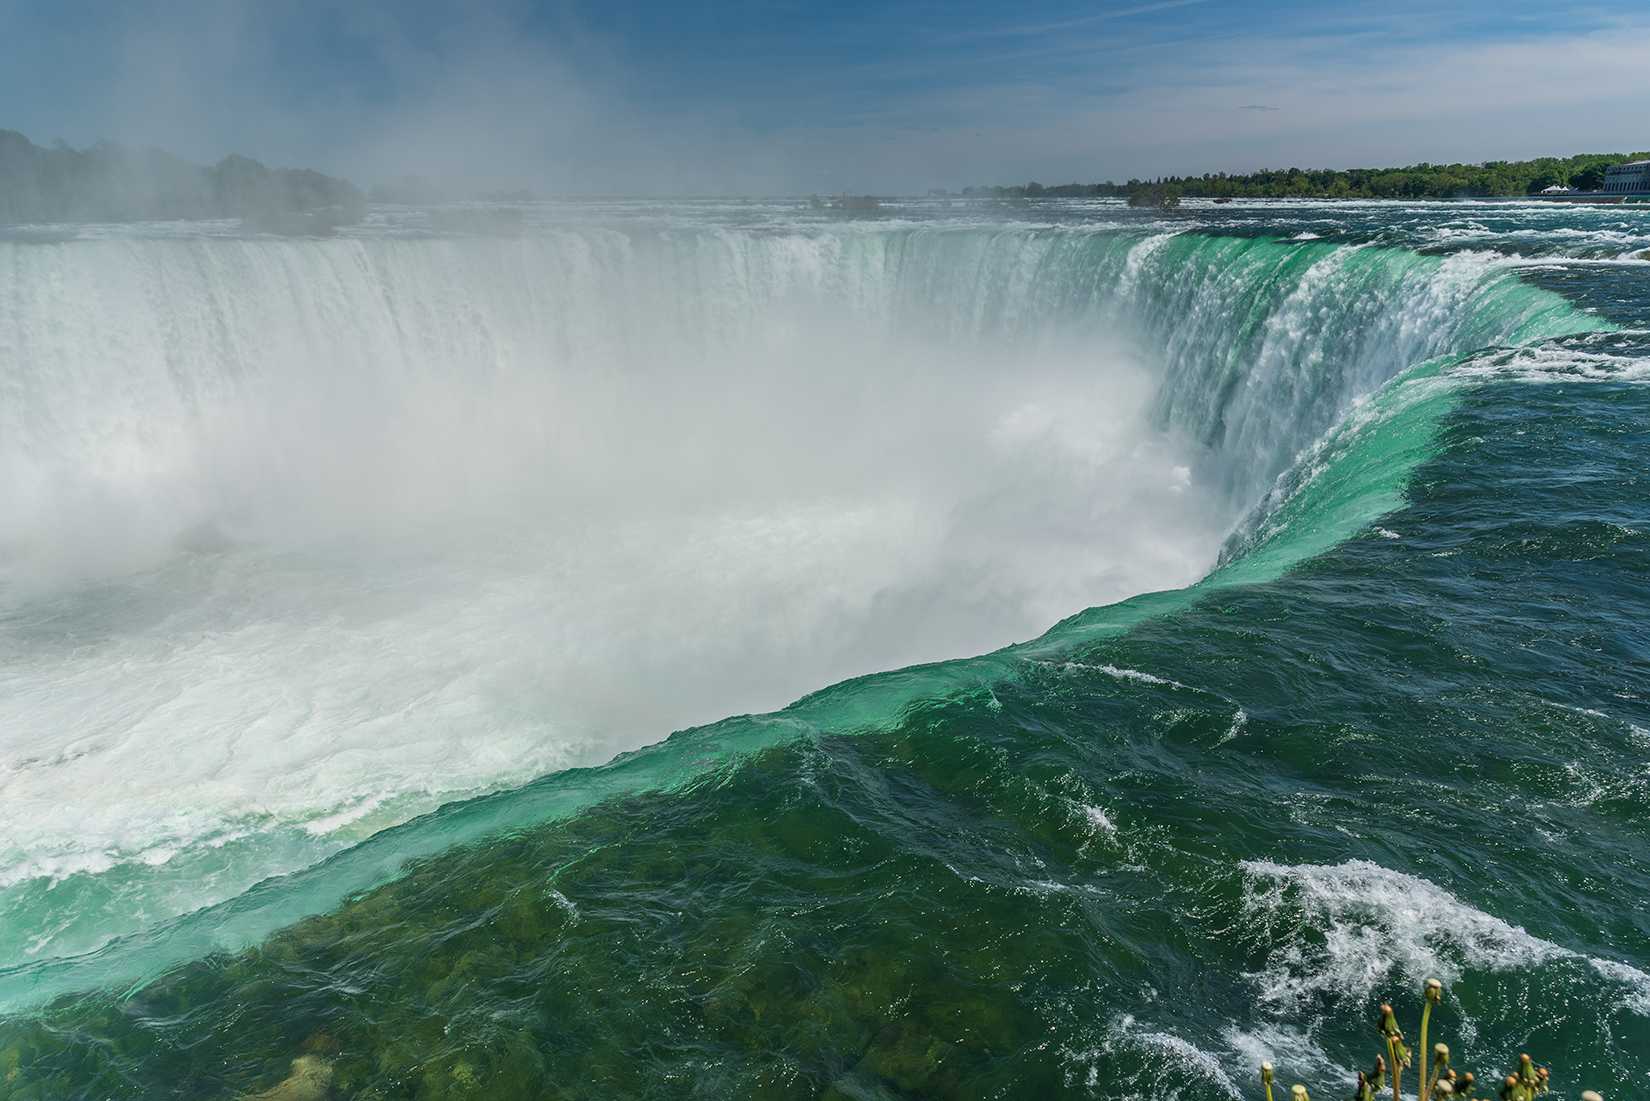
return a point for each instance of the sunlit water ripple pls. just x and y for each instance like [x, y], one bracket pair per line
[350, 588]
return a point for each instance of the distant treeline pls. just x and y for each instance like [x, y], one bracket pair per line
[109, 183]
[1585, 172]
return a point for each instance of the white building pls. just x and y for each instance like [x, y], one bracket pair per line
[1631, 178]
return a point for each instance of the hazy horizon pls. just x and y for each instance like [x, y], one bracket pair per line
[752, 99]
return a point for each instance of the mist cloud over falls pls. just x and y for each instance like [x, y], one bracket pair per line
[299, 538]
[319, 534]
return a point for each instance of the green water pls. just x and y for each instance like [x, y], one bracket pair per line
[1400, 733]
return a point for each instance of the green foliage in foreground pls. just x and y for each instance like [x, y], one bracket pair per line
[1439, 1082]
[1584, 171]
[841, 917]
[778, 947]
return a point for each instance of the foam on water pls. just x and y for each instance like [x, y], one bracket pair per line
[1346, 930]
[457, 513]
[1585, 358]
[1339, 934]
[1165, 1065]
[480, 511]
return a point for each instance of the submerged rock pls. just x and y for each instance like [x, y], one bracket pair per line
[311, 1081]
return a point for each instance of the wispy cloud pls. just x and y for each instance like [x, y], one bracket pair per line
[638, 97]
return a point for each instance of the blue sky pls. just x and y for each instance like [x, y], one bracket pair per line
[753, 97]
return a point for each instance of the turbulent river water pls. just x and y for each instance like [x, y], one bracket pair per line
[1152, 640]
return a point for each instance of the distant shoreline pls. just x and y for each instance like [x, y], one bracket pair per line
[1489, 180]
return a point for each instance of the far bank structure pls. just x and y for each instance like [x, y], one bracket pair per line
[1632, 178]
[1622, 182]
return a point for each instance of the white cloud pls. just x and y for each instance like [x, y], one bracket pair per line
[473, 102]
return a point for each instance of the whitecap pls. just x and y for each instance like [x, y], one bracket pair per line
[1373, 925]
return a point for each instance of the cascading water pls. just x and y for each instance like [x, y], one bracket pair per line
[303, 539]
[481, 509]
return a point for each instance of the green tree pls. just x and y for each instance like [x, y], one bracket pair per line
[1590, 178]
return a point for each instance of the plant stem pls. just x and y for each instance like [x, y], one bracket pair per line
[1423, 1087]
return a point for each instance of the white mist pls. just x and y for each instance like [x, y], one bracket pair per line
[314, 536]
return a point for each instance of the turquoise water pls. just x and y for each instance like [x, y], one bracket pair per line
[1389, 726]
